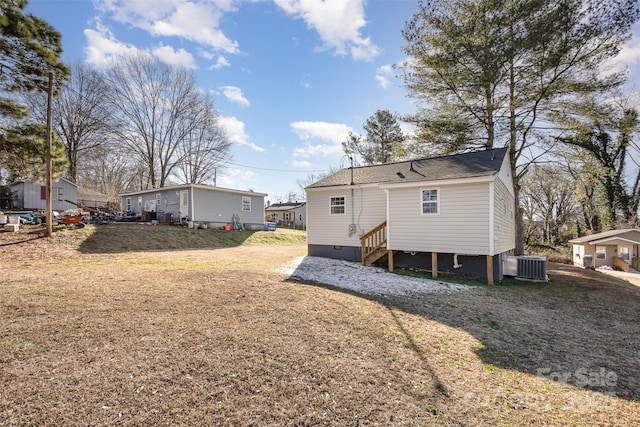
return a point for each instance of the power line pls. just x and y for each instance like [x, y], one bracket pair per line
[276, 170]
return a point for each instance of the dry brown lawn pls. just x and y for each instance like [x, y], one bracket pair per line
[99, 327]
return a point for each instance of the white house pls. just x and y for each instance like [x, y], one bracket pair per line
[611, 248]
[202, 204]
[450, 213]
[32, 196]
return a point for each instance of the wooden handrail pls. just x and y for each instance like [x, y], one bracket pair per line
[374, 240]
[620, 264]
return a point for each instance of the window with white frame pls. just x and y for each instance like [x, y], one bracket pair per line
[158, 199]
[601, 252]
[338, 205]
[127, 203]
[59, 194]
[430, 201]
[139, 201]
[246, 204]
[623, 252]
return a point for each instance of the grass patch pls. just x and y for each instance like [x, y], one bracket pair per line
[206, 334]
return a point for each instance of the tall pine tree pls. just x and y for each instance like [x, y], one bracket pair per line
[29, 49]
[490, 72]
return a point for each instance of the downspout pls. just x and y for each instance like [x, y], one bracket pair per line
[192, 205]
[386, 190]
[491, 218]
[455, 261]
[352, 225]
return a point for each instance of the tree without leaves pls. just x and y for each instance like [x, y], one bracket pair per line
[205, 149]
[158, 108]
[81, 116]
[493, 70]
[108, 169]
[549, 204]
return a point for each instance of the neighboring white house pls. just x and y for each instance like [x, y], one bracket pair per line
[289, 214]
[32, 196]
[201, 204]
[607, 249]
[450, 213]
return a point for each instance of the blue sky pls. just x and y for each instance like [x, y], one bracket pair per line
[290, 77]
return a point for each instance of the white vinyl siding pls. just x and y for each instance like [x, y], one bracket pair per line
[461, 227]
[504, 229]
[220, 206]
[369, 211]
[31, 196]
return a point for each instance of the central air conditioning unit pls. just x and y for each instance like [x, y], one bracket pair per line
[526, 267]
[532, 268]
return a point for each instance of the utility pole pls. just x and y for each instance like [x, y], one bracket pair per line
[49, 209]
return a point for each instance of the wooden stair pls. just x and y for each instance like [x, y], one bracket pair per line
[374, 244]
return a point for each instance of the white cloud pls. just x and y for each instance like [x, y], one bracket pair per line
[102, 46]
[172, 57]
[301, 164]
[234, 94]
[628, 58]
[334, 133]
[383, 74]
[338, 23]
[194, 20]
[237, 179]
[630, 53]
[383, 81]
[234, 129]
[221, 62]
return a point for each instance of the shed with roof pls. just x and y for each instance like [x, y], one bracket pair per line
[451, 213]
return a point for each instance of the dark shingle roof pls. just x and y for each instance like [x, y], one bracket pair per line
[466, 165]
[284, 206]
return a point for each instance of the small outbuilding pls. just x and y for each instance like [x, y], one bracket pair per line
[202, 205]
[613, 248]
[32, 196]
